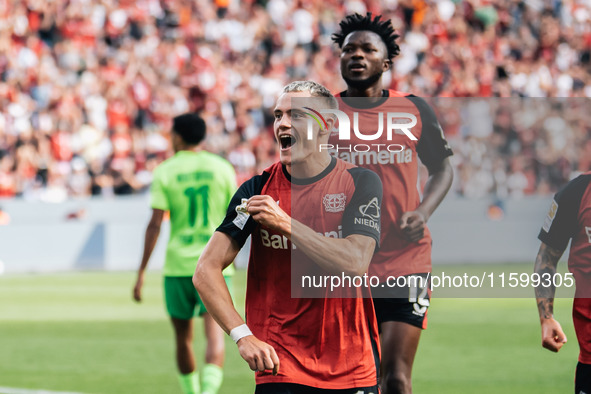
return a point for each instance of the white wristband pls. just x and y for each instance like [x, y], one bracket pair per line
[237, 333]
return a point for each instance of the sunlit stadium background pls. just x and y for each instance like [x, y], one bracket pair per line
[87, 92]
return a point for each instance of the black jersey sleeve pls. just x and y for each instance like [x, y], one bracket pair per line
[238, 224]
[362, 214]
[560, 223]
[432, 147]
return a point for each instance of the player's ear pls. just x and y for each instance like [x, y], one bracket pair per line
[175, 140]
[387, 65]
[330, 123]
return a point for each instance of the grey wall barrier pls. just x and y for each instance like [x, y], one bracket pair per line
[464, 233]
[107, 234]
[94, 234]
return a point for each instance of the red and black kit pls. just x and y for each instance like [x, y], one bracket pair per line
[327, 343]
[569, 218]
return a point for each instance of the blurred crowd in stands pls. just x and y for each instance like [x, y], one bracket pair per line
[511, 147]
[88, 87]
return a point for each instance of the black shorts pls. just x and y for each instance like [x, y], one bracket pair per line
[583, 378]
[292, 388]
[407, 305]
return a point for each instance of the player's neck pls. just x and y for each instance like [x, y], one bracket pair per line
[189, 148]
[311, 167]
[372, 91]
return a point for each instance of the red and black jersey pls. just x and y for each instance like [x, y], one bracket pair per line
[395, 161]
[329, 343]
[569, 218]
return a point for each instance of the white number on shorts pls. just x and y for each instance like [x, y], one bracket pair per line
[420, 302]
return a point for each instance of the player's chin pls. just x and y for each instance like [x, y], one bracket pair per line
[356, 75]
[285, 158]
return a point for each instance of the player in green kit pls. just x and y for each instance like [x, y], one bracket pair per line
[195, 186]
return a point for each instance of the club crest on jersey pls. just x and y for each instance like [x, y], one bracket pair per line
[334, 202]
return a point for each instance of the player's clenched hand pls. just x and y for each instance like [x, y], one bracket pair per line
[259, 355]
[412, 225]
[137, 289]
[265, 211]
[553, 338]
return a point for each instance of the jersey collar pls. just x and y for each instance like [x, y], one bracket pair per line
[309, 181]
[360, 103]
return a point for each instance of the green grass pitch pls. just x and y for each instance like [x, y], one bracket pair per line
[82, 332]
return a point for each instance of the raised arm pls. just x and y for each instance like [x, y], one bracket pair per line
[553, 338]
[360, 226]
[350, 255]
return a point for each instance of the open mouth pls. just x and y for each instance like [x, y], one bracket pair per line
[286, 141]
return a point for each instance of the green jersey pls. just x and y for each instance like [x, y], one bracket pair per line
[196, 187]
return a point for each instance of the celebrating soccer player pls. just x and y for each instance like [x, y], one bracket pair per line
[195, 186]
[300, 345]
[569, 218]
[368, 46]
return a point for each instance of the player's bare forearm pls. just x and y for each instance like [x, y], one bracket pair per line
[436, 188]
[546, 263]
[350, 255]
[151, 237]
[413, 223]
[209, 280]
[553, 337]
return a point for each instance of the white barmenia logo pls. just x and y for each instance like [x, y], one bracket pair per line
[334, 202]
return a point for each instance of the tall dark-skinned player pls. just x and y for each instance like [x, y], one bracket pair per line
[368, 46]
